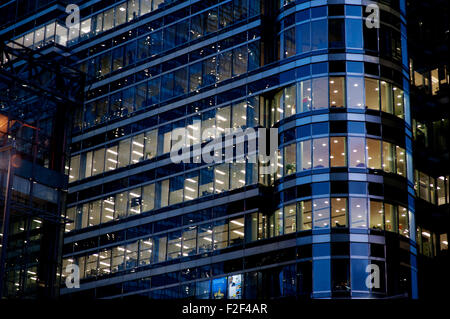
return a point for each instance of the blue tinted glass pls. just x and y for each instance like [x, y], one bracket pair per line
[359, 249]
[353, 10]
[320, 188]
[358, 274]
[318, 68]
[319, 12]
[356, 127]
[319, 34]
[320, 128]
[355, 67]
[321, 275]
[302, 15]
[303, 71]
[357, 187]
[353, 33]
[303, 34]
[304, 131]
[321, 250]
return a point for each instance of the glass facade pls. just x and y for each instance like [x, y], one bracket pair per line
[342, 195]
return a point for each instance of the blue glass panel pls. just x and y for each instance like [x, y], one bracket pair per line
[352, 10]
[355, 67]
[358, 274]
[317, 12]
[321, 275]
[354, 38]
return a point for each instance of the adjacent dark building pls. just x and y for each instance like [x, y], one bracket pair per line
[360, 188]
[37, 96]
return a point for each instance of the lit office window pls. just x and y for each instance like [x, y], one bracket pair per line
[135, 200]
[121, 14]
[92, 265]
[95, 212]
[373, 153]
[164, 193]
[386, 97]
[400, 156]
[223, 119]
[276, 224]
[124, 152]
[205, 241]
[145, 251]
[337, 92]
[118, 259]
[131, 255]
[85, 215]
[222, 178]
[398, 102]
[290, 96]
[191, 186]
[236, 231]
[108, 209]
[220, 234]
[150, 141]
[174, 245]
[320, 93]
[372, 94]
[240, 60]
[189, 238]
[39, 36]
[74, 171]
[358, 212]
[290, 161]
[321, 213]
[176, 190]
[237, 175]
[338, 212]
[305, 155]
[290, 219]
[133, 10]
[71, 214]
[195, 76]
[148, 197]
[61, 35]
[49, 33]
[320, 153]
[390, 217]
[357, 152]
[239, 116]
[108, 19]
[224, 65]
[104, 262]
[208, 125]
[388, 157]
[338, 151]
[160, 248]
[306, 96]
[403, 221]
[121, 205]
[98, 163]
[376, 215]
[137, 149]
[206, 186]
[111, 158]
[355, 92]
[117, 58]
